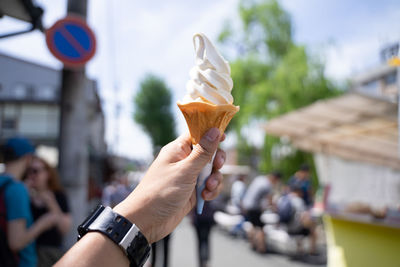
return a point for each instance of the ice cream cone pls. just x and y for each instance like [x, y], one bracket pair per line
[209, 101]
[202, 116]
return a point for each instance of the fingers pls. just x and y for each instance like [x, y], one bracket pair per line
[183, 144]
[178, 149]
[213, 186]
[222, 137]
[202, 152]
[219, 159]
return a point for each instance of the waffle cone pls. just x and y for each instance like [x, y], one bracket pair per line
[201, 116]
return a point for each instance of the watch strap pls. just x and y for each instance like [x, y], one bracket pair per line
[138, 252]
[120, 230]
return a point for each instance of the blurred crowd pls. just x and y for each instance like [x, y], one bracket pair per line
[34, 209]
[266, 205]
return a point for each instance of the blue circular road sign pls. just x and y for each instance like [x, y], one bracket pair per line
[71, 41]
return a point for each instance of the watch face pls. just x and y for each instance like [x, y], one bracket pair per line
[83, 228]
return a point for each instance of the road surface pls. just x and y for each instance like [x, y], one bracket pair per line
[225, 251]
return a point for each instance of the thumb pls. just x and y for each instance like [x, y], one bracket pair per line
[204, 150]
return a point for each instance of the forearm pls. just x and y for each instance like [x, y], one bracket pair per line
[20, 236]
[90, 251]
[64, 223]
[53, 206]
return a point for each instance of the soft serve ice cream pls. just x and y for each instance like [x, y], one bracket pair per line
[209, 102]
[210, 79]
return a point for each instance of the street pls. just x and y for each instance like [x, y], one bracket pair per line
[225, 251]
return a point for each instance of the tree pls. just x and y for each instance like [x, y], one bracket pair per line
[272, 75]
[153, 111]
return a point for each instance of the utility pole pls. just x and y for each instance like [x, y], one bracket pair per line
[73, 148]
[397, 56]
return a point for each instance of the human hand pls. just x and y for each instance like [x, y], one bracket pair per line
[50, 200]
[167, 192]
[46, 196]
[47, 220]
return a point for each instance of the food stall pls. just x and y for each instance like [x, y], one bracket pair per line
[354, 140]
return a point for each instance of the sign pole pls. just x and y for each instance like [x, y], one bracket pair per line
[73, 147]
[398, 107]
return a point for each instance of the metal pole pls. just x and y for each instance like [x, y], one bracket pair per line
[73, 151]
[398, 107]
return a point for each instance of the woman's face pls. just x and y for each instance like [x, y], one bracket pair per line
[37, 175]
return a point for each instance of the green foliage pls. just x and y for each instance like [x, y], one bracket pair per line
[272, 75]
[267, 28]
[153, 111]
[289, 164]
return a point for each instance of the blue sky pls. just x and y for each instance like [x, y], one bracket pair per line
[138, 37]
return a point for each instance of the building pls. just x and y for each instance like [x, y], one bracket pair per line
[29, 104]
[29, 97]
[380, 81]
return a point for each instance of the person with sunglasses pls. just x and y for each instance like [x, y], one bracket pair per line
[47, 198]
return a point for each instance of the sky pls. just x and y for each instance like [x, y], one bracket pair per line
[139, 37]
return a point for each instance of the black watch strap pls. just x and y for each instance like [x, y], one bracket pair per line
[120, 230]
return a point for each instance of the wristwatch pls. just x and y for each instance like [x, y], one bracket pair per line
[120, 230]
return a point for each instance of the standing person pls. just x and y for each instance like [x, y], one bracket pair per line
[302, 179]
[237, 191]
[116, 191]
[47, 197]
[203, 224]
[258, 191]
[164, 244]
[21, 230]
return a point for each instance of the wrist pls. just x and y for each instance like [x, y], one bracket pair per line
[137, 215]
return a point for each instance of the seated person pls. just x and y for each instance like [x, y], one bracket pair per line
[261, 188]
[293, 213]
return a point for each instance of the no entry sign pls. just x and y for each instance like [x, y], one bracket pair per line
[71, 41]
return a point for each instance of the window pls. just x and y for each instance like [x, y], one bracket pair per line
[390, 78]
[45, 92]
[9, 124]
[2, 91]
[371, 87]
[20, 91]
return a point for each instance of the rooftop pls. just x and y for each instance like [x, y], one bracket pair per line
[353, 126]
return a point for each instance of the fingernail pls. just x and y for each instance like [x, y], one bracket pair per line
[212, 134]
[222, 159]
[213, 183]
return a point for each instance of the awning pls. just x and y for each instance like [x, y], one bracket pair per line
[352, 126]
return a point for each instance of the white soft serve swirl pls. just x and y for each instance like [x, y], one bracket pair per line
[210, 78]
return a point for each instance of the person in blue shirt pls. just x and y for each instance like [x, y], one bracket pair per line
[21, 231]
[301, 179]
